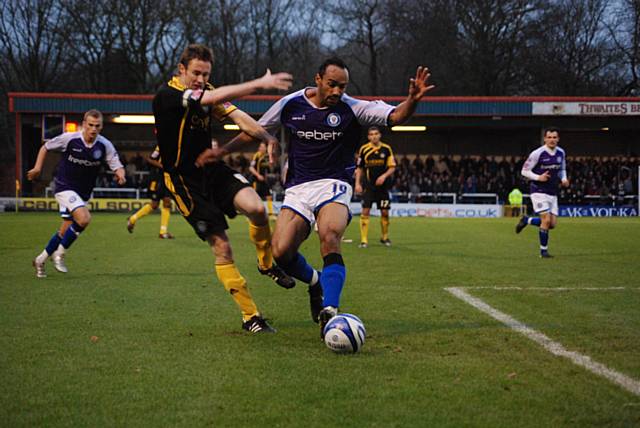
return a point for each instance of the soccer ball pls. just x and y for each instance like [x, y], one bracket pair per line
[344, 334]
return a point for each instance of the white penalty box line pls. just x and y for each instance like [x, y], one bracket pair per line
[556, 348]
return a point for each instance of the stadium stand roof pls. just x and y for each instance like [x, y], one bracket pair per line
[51, 103]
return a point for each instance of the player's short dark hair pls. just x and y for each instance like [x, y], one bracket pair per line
[332, 61]
[373, 128]
[92, 113]
[196, 51]
[551, 129]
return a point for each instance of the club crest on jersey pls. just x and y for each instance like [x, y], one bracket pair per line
[97, 154]
[333, 119]
[559, 159]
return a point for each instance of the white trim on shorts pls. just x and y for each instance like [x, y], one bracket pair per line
[542, 202]
[68, 201]
[306, 199]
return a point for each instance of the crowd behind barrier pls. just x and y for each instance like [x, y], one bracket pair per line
[450, 179]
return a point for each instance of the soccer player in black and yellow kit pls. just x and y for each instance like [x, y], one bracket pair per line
[376, 165]
[183, 110]
[259, 168]
[157, 191]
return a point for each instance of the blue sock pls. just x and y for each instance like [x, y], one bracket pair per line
[53, 243]
[298, 268]
[544, 240]
[71, 234]
[333, 276]
[534, 221]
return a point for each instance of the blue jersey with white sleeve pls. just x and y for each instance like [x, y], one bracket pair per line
[542, 160]
[321, 141]
[80, 163]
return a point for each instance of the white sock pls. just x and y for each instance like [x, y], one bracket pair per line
[60, 250]
[315, 278]
[42, 257]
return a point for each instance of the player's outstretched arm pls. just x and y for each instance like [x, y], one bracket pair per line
[34, 172]
[251, 131]
[418, 87]
[223, 94]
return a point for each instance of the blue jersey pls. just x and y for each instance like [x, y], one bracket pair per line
[80, 163]
[544, 159]
[321, 142]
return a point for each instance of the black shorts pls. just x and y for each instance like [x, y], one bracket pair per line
[205, 197]
[157, 189]
[262, 189]
[378, 196]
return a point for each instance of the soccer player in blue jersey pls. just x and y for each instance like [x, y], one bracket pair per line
[322, 127]
[546, 168]
[83, 154]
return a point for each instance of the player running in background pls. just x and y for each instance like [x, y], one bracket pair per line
[83, 153]
[158, 191]
[183, 109]
[259, 169]
[375, 167]
[323, 126]
[546, 168]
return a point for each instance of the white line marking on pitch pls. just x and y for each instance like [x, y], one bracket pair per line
[554, 288]
[555, 348]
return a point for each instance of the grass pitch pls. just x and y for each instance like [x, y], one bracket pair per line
[168, 349]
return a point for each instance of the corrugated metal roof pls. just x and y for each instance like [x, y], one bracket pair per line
[141, 104]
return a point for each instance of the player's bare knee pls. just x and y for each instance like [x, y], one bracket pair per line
[330, 241]
[258, 213]
[281, 253]
[83, 220]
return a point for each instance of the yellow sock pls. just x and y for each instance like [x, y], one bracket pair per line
[235, 284]
[364, 228]
[146, 209]
[164, 219]
[384, 225]
[269, 206]
[261, 237]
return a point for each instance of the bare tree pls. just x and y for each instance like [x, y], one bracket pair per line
[149, 37]
[359, 27]
[421, 32]
[492, 37]
[571, 53]
[33, 45]
[624, 29]
[95, 33]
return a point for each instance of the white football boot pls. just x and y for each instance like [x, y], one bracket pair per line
[58, 261]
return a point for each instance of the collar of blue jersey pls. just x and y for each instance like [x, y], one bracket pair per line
[176, 84]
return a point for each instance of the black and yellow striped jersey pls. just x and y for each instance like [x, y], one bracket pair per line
[375, 161]
[260, 162]
[183, 125]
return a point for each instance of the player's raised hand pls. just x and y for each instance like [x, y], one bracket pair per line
[544, 176]
[281, 81]
[419, 85]
[33, 174]
[209, 156]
